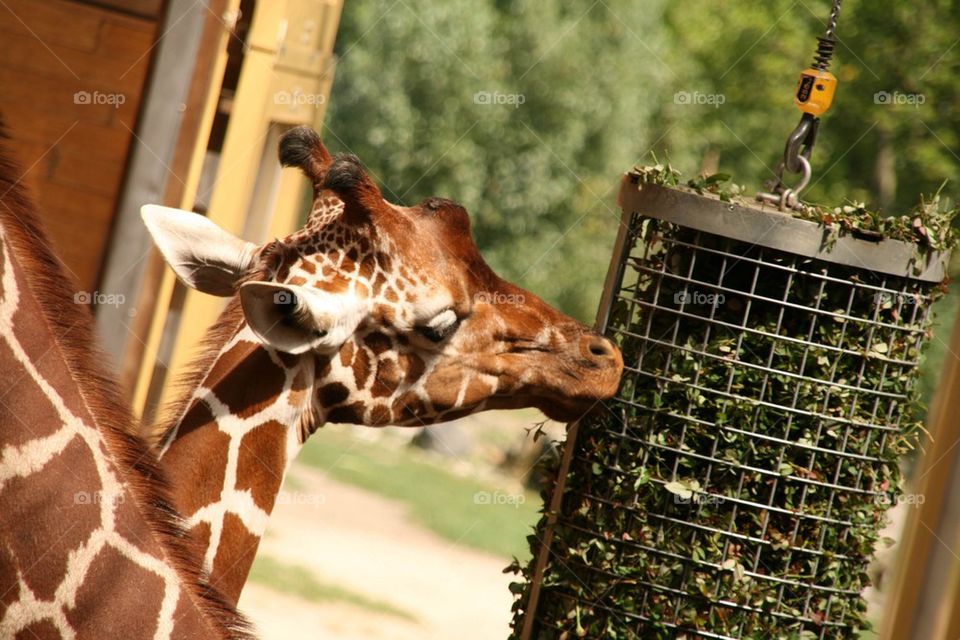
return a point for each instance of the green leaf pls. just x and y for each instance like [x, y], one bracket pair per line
[679, 489]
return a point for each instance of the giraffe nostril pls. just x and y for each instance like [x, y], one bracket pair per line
[600, 348]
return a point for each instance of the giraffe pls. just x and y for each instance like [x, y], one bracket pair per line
[373, 314]
[89, 544]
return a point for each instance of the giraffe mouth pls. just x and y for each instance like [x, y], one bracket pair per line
[569, 411]
[555, 408]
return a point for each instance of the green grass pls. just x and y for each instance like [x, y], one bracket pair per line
[297, 581]
[462, 510]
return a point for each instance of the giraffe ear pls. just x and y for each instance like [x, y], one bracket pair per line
[297, 319]
[204, 256]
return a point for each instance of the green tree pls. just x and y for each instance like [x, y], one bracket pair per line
[869, 149]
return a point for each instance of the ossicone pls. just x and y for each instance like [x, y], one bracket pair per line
[347, 178]
[301, 147]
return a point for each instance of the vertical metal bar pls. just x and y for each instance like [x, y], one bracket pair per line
[612, 284]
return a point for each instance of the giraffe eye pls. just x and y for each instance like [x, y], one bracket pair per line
[441, 326]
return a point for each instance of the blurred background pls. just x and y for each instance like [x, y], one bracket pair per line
[526, 112]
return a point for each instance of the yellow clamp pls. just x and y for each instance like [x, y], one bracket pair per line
[815, 91]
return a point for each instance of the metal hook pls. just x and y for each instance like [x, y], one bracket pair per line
[800, 143]
[788, 197]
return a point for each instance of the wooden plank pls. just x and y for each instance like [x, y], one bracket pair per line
[142, 8]
[44, 94]
[72, 77]
[93, 140]
[126, 39]
[73, 204]
[77, 223]
[75, 70]
[75, 171]
[45, 21]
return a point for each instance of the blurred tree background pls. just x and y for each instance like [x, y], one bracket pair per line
[527, 111]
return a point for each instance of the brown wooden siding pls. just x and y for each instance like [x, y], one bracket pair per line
[73, 151]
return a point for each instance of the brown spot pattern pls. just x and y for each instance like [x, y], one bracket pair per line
[235, 389]
[332, 394]
[347, 414]
[232, 563]
[361, 368]
[40, 509]
[387, 379]
[101, 587]
[201, 465]
[261, 463]
[378, 342]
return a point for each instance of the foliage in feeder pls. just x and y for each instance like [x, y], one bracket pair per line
[736, 485]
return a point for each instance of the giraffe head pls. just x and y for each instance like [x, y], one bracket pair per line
[390, 310]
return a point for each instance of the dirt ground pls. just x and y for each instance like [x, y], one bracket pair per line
[367, 545]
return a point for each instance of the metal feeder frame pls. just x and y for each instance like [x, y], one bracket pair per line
[768, 245]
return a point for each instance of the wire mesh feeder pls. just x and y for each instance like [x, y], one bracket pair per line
[736, 485]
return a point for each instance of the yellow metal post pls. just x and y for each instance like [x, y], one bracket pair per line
[238, 167]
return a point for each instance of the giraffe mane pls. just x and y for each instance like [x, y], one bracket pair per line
[54, 289]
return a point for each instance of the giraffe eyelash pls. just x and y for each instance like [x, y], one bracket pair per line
[437, 335]
[439, 327]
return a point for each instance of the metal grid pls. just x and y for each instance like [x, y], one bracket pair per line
[735, 486]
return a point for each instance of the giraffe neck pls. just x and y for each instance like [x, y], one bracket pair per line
[227, 455]
[75, 522]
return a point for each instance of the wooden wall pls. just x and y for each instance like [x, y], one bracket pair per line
[71, 79]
